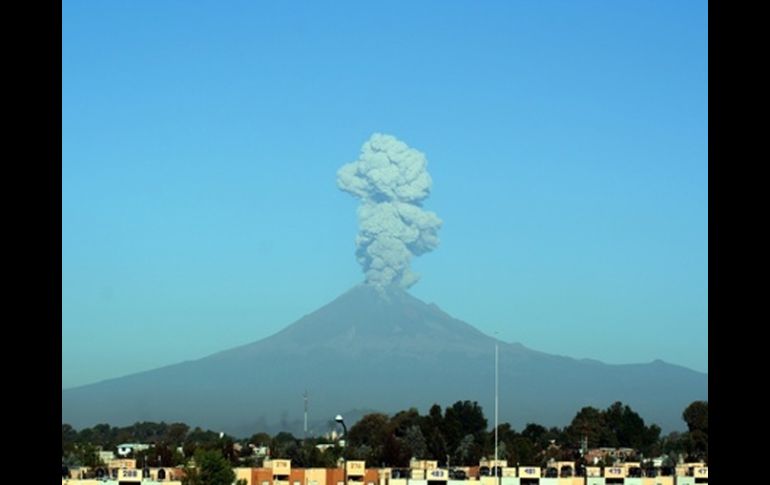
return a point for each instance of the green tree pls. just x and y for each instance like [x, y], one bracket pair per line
[432, 426]
[200, 439]
[505, 433]
[403, 420]
[696, 445]
[329, 458]
[434, 416]
[392, 454]
[696, 415]
[87, 455]
[160, 455]
[624, 427]
[176, 434]
[522, 451]
[211, 468]
[415, 443]
[68, 439]
[502, 450]
[260, 439]
[464, 453]
[284, 445]
[369, 435]
[437, 447]
[536, 434]
[505, 437]
[588, 423]
[696, 441]
[461, 419]
[672, 443]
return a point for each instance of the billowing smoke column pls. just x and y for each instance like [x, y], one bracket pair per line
[392, 181]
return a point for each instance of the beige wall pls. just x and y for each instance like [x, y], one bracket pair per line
[700, 472]
[129, 474]
[488, 480]
[690, 470]
[593, 471]
[491, 463]
[355, 468]
[614, 472]
[314, 476]
[572, 481]
[279, 466]
[169, 473]
[384, 475]
[122, 463]
[529, 472]
[658, 481]
[417, 474]
[76, 471]
[99, 482]
[437, 474]
[243, 474]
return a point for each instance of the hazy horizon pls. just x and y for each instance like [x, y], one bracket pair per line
[567, 145]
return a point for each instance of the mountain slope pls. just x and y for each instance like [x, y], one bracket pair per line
[383, 350]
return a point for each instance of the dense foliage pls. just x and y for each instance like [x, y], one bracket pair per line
[457, 435]
[211, 468]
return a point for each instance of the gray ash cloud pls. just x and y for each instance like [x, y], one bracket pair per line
[392, 181]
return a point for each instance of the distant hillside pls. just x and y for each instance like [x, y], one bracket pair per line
[379, 350]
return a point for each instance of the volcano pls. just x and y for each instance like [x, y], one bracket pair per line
[379, 349]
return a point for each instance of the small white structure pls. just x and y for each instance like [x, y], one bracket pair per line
[126, 448]
[106, 456]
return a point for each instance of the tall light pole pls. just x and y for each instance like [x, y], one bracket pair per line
[496, 402]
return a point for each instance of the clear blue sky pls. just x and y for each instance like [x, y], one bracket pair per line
[567, 142]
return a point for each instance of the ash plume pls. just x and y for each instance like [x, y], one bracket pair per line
[391, 180]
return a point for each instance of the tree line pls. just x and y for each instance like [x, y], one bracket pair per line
[458, 435]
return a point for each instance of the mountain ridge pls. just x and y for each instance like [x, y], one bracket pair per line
[380, 349]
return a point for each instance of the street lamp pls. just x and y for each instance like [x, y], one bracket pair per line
[339, 419]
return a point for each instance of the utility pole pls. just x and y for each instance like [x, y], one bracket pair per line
[305, 396]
